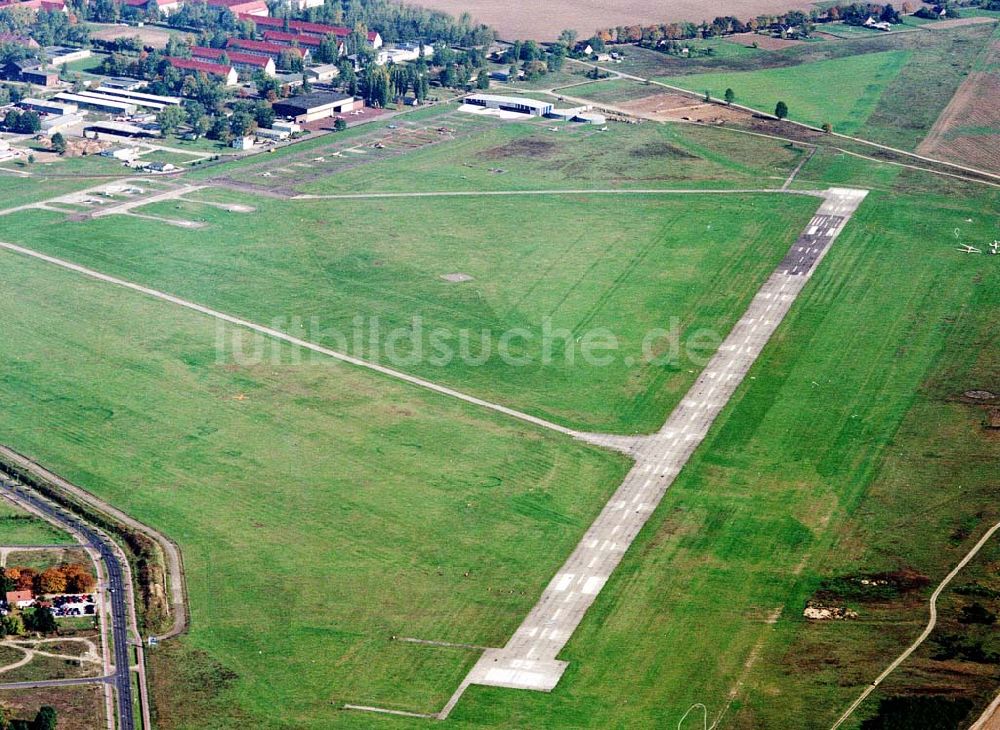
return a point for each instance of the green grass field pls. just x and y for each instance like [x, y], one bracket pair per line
[844, 453]
[18, 527]
[532, 157]
[320, 510]
[808, 89]
[575, 267]
[611, 91]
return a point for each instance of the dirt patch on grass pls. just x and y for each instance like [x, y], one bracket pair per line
[663, 150]
[765, 42]
[672, 107]
[525, 147]
[152, 37]
[78, 708]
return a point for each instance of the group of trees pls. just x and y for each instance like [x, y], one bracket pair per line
[535, 60]
[38, 619]
[401, 22]
[62, 578]
[22, 122]
[804, 23]
[45, 719]
[45, 27]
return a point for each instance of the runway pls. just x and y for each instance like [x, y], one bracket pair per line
[529, 659]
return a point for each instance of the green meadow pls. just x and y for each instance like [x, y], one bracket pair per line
[320, 509]
[842, 92]
[572, 310]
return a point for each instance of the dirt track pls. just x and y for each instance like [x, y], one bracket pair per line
[521, 19]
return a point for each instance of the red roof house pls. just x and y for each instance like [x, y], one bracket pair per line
[241, 61]
[226, 73]
[19, 599]
[252, 8]
[317, 30]
[264, 48]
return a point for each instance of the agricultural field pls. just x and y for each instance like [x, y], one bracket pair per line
[522, 19]
[78, 708]
[968, 130]
[898, 110]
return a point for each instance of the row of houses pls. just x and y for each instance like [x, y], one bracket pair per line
[304, 29]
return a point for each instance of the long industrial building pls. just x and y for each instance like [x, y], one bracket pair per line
[519, 104]
[138, 97]
[97, 103]
[47, 106]
[310, 107]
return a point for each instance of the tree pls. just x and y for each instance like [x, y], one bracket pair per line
[170, 118]
[13, 624]
[41, 620]
[241, 124]
[568, 37]
[30, 123]
[483, 80]
[339, 124]
[78, 578]
[781, 110]
[220, 130]
[376, 86]
[51, 581]
[290, 59]
[730, 96]
[976, 613]
[45, 719]
[58, 143]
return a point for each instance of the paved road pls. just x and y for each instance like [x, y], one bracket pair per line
[528, 661]
[59, 682]
[117, 590]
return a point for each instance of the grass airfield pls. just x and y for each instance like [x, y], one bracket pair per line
[294, 487]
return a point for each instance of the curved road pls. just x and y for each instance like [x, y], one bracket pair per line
[117, 589]
[931, 623]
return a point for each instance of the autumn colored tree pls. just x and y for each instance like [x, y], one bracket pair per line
[52, 580]
[78, 578]
[25, 579]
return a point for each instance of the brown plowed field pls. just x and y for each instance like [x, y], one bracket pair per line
[968, 130]
[543, 21]
[668, 107]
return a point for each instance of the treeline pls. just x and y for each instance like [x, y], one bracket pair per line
[402, 22]
[62, 578]
[803, 23]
